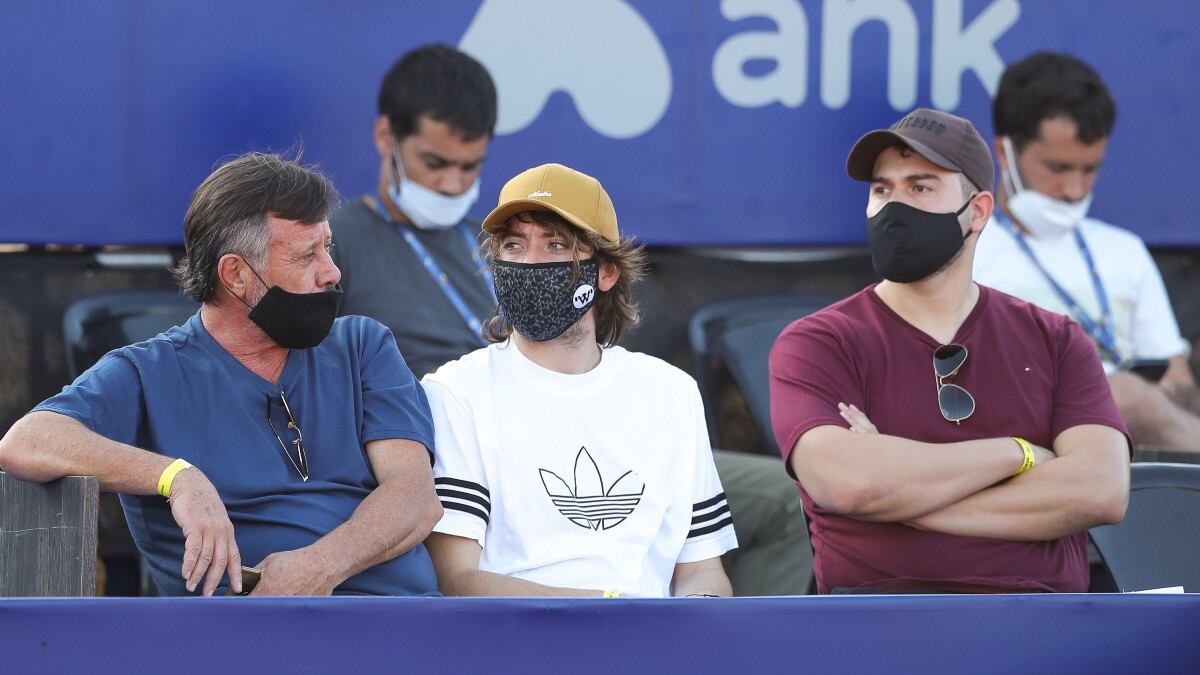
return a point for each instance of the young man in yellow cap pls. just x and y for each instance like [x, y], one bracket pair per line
[566, 465]
[410, 259]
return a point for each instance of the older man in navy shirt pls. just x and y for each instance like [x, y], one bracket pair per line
[262, 429]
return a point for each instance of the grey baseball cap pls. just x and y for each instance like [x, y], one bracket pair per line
[946, 140]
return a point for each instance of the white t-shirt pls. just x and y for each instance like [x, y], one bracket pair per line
[1144, 325]
[603, 480]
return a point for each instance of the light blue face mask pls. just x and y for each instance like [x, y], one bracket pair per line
[425, 208]
[1042, 215]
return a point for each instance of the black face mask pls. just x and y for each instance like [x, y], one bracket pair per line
[908, 244]
[295, 320]
[539, 300]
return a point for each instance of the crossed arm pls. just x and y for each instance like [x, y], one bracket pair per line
[45, 446]
[965, 488]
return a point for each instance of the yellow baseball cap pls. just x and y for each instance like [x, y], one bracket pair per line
[575, 196]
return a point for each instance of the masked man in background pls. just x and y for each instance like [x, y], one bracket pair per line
[1053, 117]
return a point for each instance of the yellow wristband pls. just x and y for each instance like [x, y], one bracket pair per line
[610, 594]
[168, 476]
[1028, 450]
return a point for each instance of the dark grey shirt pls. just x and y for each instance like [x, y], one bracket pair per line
[383, 278]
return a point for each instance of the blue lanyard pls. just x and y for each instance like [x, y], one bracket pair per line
[1101, 331]
[439, 277]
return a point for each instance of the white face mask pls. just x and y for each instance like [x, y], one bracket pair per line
[1043, 216]
[429, 209]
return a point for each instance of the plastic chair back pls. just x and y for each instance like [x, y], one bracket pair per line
[96, 325]
[1158, 543]
[738, 334]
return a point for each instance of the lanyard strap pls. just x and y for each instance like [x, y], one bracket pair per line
[439, 276]
[1101, 331]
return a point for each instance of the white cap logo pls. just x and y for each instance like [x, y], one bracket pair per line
[583, 296]
[539, 193]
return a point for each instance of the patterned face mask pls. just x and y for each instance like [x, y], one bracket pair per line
[540, 300]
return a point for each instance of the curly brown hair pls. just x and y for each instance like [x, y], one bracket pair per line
[615, 309]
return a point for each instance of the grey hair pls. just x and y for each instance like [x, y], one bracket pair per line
[229, 212]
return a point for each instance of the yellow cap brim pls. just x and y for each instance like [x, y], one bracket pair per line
[500, 215]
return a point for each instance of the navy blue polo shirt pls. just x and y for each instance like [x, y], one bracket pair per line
[182, 395]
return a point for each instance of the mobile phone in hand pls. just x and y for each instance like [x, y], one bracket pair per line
[250, 579]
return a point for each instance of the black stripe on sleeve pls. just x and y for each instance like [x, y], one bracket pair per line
[710, 515]
[707, 503]
[469, 496]
[711, 528]
[466, 508]
[446, 480]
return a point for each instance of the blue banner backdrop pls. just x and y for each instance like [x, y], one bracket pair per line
[711, 123]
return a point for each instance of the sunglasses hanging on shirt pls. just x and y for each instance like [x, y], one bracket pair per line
[296, 456]
[956, 404]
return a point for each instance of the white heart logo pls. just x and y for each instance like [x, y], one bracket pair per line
[600, 52]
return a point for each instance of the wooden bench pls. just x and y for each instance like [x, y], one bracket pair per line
[48, 536]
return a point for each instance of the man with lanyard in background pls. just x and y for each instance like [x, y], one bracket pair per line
[410, 258]
[1053, 117]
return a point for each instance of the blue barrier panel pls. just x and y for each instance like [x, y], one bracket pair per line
[712, 123]
[863, 634]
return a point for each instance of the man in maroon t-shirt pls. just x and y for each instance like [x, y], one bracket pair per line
[945, 436]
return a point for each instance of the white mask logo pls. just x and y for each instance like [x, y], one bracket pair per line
[583, 296]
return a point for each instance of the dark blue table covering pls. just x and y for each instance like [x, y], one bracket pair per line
[863, 634]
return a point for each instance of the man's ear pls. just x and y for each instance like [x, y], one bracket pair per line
[609, 273]
[233, 275]
[981, 211]
[384, 139]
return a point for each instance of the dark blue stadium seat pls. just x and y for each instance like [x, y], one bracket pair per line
[1158, 543]
[737, 334]
[95, 325]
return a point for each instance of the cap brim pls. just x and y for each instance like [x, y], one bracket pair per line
[860, 163]
[500, 215]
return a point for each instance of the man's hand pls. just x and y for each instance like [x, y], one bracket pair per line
[210, 548]
[1180, 385]
[857, 419]
[296, 572]
[1041, 454]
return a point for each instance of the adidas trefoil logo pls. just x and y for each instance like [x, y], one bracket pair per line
[591, 505]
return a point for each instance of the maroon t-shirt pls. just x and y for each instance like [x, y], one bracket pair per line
[1033, 374]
